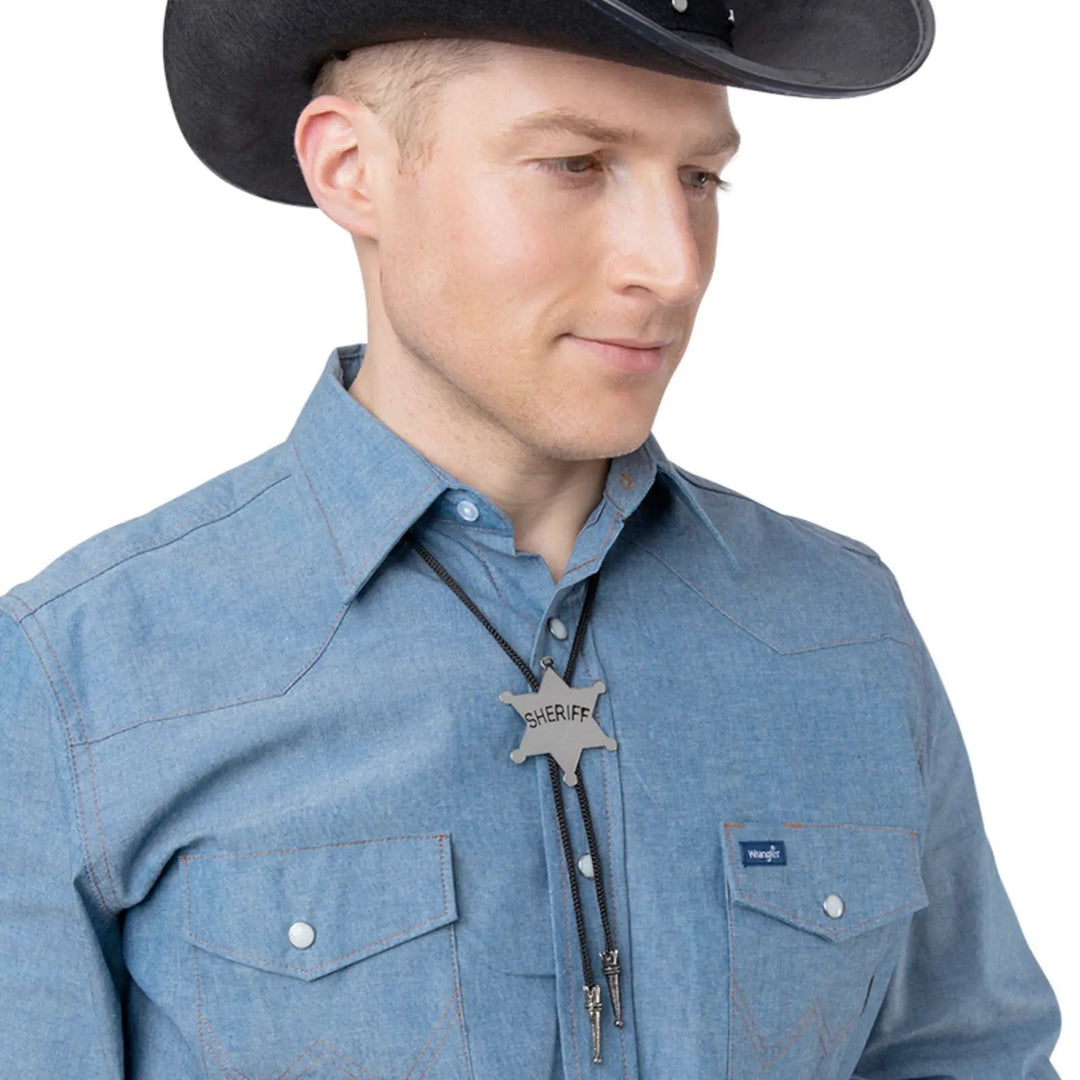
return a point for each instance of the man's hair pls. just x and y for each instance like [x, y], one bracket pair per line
[400, 82]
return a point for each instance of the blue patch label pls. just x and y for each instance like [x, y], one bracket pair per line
[763, 853]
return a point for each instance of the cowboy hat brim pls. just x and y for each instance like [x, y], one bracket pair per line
[240, 73]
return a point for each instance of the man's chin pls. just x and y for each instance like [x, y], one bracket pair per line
[619, 441]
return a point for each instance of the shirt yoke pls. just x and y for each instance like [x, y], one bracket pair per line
[230, 592]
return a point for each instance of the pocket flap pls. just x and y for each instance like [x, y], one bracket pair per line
[787, 869]
[358, 897]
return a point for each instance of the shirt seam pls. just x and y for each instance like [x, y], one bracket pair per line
[921, 674]
[350, 580]
[145, 546]
[305, 667]
[759, 637]
[75, 792]
[848, 543]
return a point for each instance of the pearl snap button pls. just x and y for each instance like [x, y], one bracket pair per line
[557, 628]
[584, 864]
[301, 935]
[467, 510]
[833, 905]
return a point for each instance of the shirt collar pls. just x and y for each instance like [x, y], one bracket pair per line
[370, 485]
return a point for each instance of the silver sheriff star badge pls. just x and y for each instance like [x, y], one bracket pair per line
[558, 721]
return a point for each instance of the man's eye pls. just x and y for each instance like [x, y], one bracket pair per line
[712, 178]
[566, 167]
[559, 165]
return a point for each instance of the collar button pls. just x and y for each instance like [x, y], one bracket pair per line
[467, 510]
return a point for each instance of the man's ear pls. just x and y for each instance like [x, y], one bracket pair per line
[339, 145]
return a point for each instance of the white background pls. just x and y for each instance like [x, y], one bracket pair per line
[883, 350]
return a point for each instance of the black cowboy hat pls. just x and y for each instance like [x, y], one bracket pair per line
[240, 72]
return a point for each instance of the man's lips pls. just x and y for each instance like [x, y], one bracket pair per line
[633, 359]
[630, 343]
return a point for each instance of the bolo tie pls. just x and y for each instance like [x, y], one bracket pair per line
[560, 722]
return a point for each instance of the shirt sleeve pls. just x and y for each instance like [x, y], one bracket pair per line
[968, 1001]
[60, 1015]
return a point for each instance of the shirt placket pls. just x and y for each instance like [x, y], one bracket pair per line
[599, 772]
[522, 579]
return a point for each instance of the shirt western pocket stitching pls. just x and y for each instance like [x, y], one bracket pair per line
[311, 847]
[317, 967]
[206, 1032]
[837, 934]
[327, 1050]
[335, 960]
[323, 1051]
[317, 1062]
[327, 1059]
[830, 1040]
[315, 1050]
[460, 1005]
[432, 1033]
[767, 1054]
[827, 1039]
[445, 1035]
[916, 902]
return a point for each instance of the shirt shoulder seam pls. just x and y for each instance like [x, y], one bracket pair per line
[847, 542]
[178, 532]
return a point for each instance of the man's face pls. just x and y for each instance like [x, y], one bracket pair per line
[491, 262]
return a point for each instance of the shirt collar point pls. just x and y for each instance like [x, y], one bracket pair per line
[688, 494]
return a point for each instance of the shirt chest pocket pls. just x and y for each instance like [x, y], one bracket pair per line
[816, 912]
[327, 961]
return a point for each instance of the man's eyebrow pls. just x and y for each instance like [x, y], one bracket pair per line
[575, 123]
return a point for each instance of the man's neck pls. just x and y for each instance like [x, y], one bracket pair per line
[547, 500]
[548, 511]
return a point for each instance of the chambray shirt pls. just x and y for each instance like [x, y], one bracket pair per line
[256, 706]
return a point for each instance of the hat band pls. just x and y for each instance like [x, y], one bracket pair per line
[711, 17]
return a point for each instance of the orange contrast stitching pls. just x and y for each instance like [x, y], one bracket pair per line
[186, 859]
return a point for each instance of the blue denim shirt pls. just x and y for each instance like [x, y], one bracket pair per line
[256, 707]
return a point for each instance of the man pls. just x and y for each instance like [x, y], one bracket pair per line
[302, 759]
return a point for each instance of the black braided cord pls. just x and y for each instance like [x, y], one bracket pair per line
[553, 768]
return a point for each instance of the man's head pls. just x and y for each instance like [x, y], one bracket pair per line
[484, 256]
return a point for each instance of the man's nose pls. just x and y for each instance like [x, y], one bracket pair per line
[658, 238]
